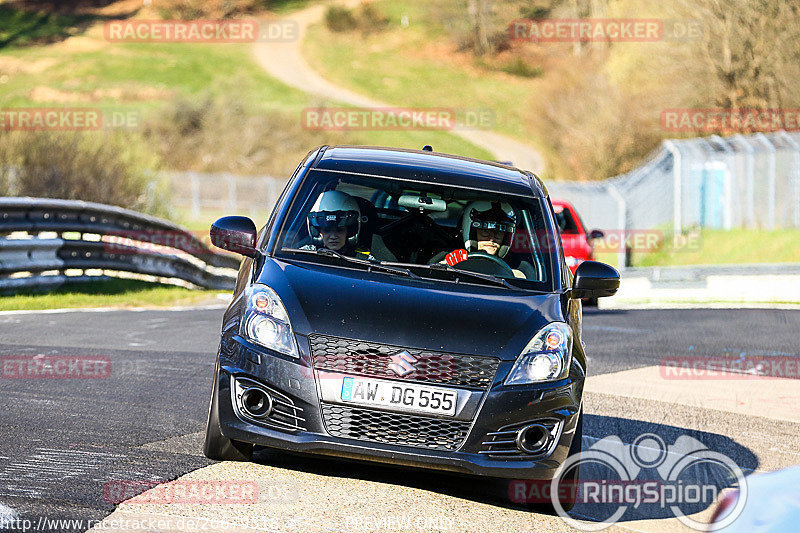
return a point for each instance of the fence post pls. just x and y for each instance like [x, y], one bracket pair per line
[622, 220]
[232, 200]
[751, 179]
[795, 177]
[195, 187]
[772, 156]
[676, 186]
[730, 180]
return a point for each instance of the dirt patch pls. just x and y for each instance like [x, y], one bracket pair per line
[121, 94]
[49, 94]
[82, 43]
[12, 65]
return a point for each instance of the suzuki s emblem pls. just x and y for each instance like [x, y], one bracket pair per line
[402, 363]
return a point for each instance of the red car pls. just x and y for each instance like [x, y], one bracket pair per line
[578, 244]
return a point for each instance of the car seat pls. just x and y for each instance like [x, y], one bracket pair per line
[367, 238]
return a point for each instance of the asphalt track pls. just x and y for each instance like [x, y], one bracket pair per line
[64, 440]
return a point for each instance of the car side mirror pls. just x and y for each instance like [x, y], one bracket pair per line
[596, 234]
[235, 234]
[594, 280]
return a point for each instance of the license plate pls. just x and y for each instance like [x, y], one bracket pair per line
[399, 397]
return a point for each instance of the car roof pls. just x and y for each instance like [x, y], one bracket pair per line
[431, 167]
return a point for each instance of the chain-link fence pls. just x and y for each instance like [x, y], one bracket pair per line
[741, 181]
[198, 193]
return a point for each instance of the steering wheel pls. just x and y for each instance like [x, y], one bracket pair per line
[484, 263]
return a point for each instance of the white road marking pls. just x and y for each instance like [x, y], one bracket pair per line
[7, 514]
[614, 329]
[774, 398]
[106, 309]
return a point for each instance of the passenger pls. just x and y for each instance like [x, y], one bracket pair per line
[334, 223]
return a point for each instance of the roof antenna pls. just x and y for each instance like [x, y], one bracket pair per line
[427, 148]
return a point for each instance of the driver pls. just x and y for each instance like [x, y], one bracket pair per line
[334, 223]
[486, 227]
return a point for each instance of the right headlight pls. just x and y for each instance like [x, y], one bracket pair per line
[546, 357]
[266, 322]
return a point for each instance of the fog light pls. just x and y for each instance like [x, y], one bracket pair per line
[533, 439]
[256, 403]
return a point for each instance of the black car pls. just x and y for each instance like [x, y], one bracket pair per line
[407, 307]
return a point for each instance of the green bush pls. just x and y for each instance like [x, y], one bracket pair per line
[340, 19]
[367, 18]
[110, 167]
[519, 67]
[207, 9]
[371, 19]
[24, 27]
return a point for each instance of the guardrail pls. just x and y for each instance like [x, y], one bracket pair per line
[46, 242]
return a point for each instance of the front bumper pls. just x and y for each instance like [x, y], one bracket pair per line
[500, 406]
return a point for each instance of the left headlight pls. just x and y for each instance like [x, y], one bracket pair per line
[266, 322]
[547, 356]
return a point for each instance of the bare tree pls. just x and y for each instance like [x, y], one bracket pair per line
[480, 17]
[751, 48]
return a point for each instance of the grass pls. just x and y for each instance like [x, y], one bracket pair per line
[408, 66]
[142, 77]
[112, 293]
[721, 247]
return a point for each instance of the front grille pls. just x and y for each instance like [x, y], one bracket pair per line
[501, 444]
[371, 359]
[393, 428]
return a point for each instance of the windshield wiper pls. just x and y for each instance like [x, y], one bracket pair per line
[444, 267]
[377, 265]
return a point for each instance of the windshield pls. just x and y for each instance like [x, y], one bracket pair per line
[433, 231]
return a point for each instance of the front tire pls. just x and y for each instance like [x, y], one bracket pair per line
[569, 483]
[571, 480]
[217, 446]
